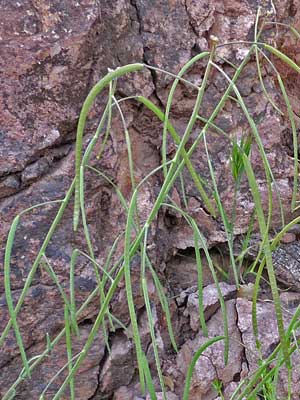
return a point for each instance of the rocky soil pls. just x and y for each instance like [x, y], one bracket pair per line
[52, 53]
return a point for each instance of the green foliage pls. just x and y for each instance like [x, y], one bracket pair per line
[217, 385]
[236, 160]
[195, 359]
[136, 235]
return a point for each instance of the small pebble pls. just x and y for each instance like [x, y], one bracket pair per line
[288, 237]
[246, 291]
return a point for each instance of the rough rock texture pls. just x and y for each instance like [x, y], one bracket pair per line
[52, 52]
[86, 377]
[268, 337]
[210, 302]
[42, 312]
[210, 365]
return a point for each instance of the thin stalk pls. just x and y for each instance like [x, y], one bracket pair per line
[214, 126]
[268, 255]
[38, 359]
[164, 303]
[8, 294]
[169, 103]
[128, 286]
[149, 313]
[90, 246]
[259, 67]
[223, 215]
[46, 264]
[148, 378]
[36, 263]
[283, 57]
[52, 229]
[295, 143]
[69, 350]
[109, 117]
[294, 30]
[196, 178]
[72, 292]
[184, 198]
[199, 237]
[128, 145]
[195, 358]
[95, 91]
[189, 83]
[42, 396]
[294, 133]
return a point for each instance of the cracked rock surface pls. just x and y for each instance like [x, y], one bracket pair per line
[52, 53]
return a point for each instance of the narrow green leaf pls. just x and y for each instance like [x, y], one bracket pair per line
[148, 377]
[8, 294]
[295, 142]
[195, 358]
[95, 91]
[283, 57]
[69, 350]
[268, 255]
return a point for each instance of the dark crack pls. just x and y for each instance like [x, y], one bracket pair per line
[101, 365]
[244, 356]
[189, 19]
[42, 164]
[145, 51]
[138, 16]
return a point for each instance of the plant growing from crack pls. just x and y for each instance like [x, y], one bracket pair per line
[217, 385]
[136, 235]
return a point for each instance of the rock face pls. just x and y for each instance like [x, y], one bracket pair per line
[211, 366]
[268, 337]
[86, 378]
[52, 53]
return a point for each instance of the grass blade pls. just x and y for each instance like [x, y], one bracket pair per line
[149, 381]
[283, 57]
[183, 70]
[69, 350]
[72, 292]
[268, 255]
[196, 178]
[38, 259]
[295, 142]
[149, 313]
[8, 294]
[127, 258]
[95, 91]
[164, 304]
[203, 245]
[195, 358]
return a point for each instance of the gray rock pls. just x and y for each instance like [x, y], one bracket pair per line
[269, 337]
[210, 302]
[34, 171]
[169, 396]
[86, 379]
[51, 56]
[119, 368]
[9, 185]
[210, 365]
[123, 393]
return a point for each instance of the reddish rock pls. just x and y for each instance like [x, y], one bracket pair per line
[86, 379]
[123, 393]
[210, 302]
[269, 337]
[288, 237]
[42, 312]
[51, 55]
[119, 367]
[210, 365]
[159, 396]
